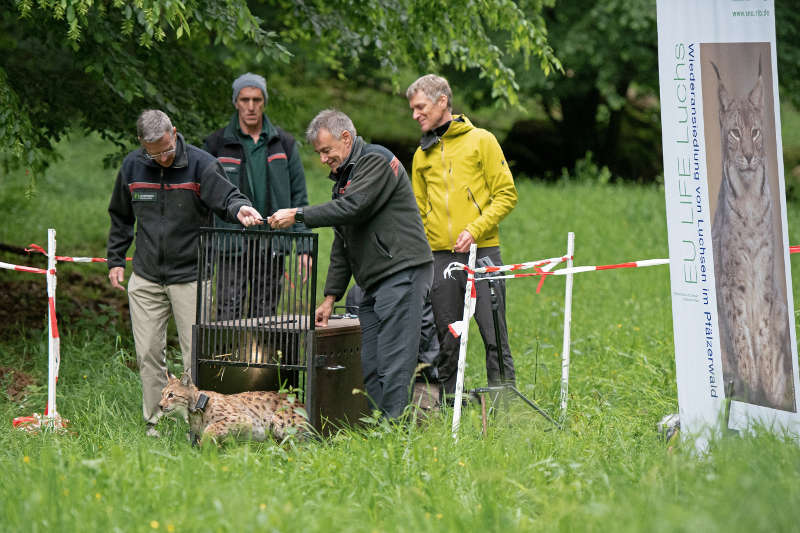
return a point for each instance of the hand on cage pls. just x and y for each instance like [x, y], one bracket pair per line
[249, 216]
[323, 312]
[282, 218]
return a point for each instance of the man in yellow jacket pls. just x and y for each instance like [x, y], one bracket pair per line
[463, 188]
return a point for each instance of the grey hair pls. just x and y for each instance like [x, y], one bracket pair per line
[332, 120]
[433, 87]
[152, 125]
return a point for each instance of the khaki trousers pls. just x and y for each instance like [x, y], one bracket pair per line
[150, 307]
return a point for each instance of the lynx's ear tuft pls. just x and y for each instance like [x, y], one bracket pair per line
[725, 99]
[756, 96]
[186, 379]
[170, 376]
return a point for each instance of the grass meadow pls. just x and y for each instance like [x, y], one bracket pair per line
[606, 471]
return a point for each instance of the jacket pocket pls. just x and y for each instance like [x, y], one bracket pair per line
[232, 166]
[383, 249]
[472, 199]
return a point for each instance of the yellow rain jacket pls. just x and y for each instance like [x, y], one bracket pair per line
[462, 181]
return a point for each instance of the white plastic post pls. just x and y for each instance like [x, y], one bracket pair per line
[53, 344]
[567, 325]
[469, 310]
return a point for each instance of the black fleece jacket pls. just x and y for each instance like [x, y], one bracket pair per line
[167, 206]
[376, 222]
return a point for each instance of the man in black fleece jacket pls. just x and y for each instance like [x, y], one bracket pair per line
[380, 241]
[167, 190]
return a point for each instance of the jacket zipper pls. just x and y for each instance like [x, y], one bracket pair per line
[447, 196]
[161, 233]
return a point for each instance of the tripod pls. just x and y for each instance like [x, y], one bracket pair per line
[504, 386]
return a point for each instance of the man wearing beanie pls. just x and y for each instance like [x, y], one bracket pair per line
[263, 161]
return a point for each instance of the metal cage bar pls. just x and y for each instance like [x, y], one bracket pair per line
[256, 302]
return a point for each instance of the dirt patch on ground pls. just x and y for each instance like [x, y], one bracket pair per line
[15, 382]
[23, 305]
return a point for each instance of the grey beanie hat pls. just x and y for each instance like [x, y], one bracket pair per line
[249, 80]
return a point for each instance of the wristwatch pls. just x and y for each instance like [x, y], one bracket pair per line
[298, 215]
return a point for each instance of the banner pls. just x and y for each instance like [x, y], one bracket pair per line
[726, 215]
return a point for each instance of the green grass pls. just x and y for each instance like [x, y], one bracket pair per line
[607, 471]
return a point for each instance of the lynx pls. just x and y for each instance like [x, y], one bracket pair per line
[248, 415]
[753, 316]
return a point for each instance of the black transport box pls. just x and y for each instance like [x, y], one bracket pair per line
[260, 335]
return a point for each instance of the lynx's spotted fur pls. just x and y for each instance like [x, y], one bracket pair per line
[753, 314]
[253, 415]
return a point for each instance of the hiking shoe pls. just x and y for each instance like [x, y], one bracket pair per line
[152, 431]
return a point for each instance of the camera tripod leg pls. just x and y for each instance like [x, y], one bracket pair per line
[483, 413]
[504, 385]
[535, 407]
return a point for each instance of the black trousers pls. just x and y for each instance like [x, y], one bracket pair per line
[391, 316]
[447, 297]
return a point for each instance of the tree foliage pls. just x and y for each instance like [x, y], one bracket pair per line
[98, 64]
[608, 90]
[606, 101]
[787, 24]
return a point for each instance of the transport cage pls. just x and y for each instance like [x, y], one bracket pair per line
[255, 329]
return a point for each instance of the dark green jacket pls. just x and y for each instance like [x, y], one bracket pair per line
[377, 228]
[286, 182]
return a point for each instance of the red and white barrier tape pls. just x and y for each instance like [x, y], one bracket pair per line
[550, 263]
[37, 248]
[543, 266]
[547, 264]
[20, 268]
[453, 266]
[542, 269]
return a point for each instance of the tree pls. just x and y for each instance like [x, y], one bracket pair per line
[609, 89]
[606, 101]
[787, 24]
[98, 64]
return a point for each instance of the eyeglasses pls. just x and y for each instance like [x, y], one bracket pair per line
[159, 155]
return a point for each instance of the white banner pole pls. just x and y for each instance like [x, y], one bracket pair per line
[469, 307]
[567, 326]
[53, 348]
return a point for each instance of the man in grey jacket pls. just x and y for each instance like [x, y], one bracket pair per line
[380, 241]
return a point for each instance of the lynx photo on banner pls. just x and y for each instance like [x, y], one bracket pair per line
[730, 274]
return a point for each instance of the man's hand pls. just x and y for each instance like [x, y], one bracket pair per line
[304, 266]
[282, 218]
[117, 275]
[464, 241]
[323, 312]
[248, 216]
